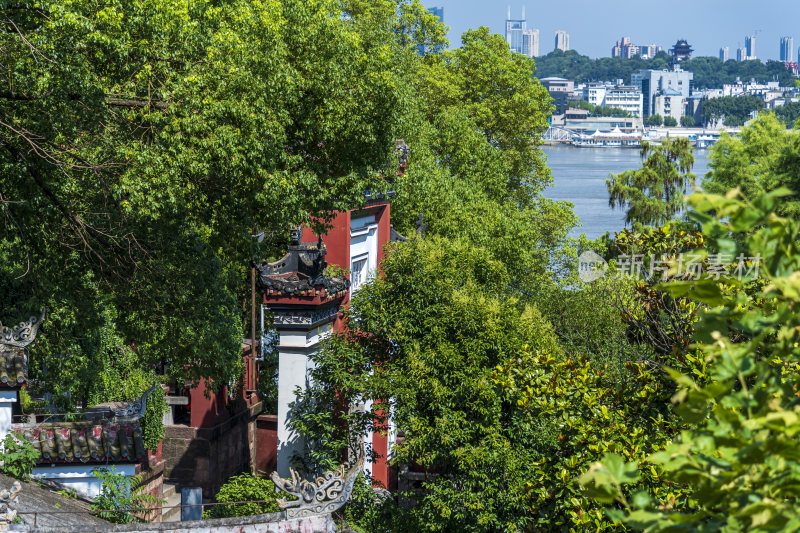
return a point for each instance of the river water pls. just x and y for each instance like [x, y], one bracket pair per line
[579, 177]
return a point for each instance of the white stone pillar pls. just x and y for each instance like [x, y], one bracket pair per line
[300, 331]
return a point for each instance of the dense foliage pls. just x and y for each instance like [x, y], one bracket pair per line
[740, 453]
[121, 500]
[788, 113]
[733, 111]
[430, 334]
[653, 194]
[761, 159]
[18, 456]
[709, 72]
[141, 143]
[654, 120]
[599, 111]
[258, 491]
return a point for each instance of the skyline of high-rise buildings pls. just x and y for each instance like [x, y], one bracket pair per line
[527, 41]
[625, 48]
[520, 38]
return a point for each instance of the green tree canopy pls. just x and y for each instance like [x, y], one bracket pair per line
[654, 120]
[654, 193]
[761, 159]
[140, 145]
[739, 454]
[732, 110]
[708, 72]
[430, 333]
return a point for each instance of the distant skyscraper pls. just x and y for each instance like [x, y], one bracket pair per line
[562, 40]
[750, 46]
[787, 49]
[514, 30]
[741, 54]
[724, 53]
[530, 43]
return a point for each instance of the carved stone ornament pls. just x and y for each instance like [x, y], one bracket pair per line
[304, 318]
[21, 335]
[134, 409]
[324, 495]
[7, 505]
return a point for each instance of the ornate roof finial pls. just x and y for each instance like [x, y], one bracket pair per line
[326, 494]
[295, 234]
[21, 335]
[134, 409]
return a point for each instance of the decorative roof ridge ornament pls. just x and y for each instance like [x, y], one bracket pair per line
[326, 494]
[131, 411]
[301, 269]
[21, 335]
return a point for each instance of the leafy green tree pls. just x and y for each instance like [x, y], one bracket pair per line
[740, 456]
[244, 488]
[121, 500]
[430, 333]
[761, 159]
[670, 122]
[653, 194]
[732, 110]
[654, 120]
[121, 378]
[687, 121]
[599, 111]
[476, 136]
[18, 457]
[788, 113]
[141, 143]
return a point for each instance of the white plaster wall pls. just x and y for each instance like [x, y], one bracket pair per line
[80, 477]
[7, 400]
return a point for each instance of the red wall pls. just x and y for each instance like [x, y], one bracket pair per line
[267, 443]
[337, 243]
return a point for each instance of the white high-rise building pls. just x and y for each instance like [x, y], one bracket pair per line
[750, 47]
[530, 42]
[562, 40]
[787, 49]
[724, 53]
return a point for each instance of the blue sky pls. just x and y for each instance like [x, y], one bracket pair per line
[595, 25]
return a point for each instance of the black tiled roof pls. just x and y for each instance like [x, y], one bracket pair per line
[85, 442]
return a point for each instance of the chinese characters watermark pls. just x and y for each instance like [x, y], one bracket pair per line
[689, 266]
